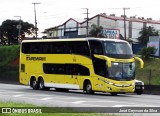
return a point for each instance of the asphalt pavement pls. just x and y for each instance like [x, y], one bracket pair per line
[74, 98]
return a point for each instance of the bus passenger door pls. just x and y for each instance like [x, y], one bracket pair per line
[99, 65]
[100, 70]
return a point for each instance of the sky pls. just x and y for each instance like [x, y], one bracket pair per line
[51, 13]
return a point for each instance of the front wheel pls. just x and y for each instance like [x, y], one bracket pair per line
[88, 88]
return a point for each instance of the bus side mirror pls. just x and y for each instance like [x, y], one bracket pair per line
[140, 61]
[104, 58]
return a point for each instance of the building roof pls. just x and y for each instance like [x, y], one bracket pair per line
[74, 39]
[112, 17]
[55, 27]
[133, 19]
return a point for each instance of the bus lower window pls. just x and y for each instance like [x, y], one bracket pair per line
[67, 69]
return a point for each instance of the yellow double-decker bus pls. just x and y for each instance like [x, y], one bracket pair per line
[88, 64]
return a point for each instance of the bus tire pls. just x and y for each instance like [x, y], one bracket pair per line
[88, 88]
[34, 84]
[41, 84]
[139, 93]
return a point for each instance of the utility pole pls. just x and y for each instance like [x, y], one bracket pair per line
[35, 18]
[19, 26]
[87, 21]
[125, 22]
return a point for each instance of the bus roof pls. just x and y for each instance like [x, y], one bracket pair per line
[74, 39]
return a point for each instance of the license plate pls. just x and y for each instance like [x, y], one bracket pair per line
[138, 87]
[122, 90]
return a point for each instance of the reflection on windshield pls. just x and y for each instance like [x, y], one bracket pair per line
[118, 49]
[122, 70]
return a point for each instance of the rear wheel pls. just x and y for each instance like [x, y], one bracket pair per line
[139, 93]
[41, 85]
[34, 84]
[88, 88]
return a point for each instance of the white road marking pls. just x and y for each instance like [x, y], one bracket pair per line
[70, 98]
[47, 98]
[78, 102]
[6, 91]
[101, 101]
[119, 105]
[17, 95]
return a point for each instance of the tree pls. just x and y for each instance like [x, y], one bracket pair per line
[145, 33]
[9, 32]
[146, 52]
[96, 31]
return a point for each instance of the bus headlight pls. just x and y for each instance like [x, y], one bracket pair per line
[132, 84]
[109, 82]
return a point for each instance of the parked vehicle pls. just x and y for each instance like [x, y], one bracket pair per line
[139, 87]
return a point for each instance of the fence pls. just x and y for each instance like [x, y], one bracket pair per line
[151, 79]
[149, 76]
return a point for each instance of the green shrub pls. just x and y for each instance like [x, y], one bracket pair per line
[8, 54]
[146, 52]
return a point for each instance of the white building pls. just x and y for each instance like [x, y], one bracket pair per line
[113, 27]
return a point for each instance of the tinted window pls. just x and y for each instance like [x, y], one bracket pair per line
[73, 47]
[25, 48]
[58, 47]
[78, 47]
[80, 70]
[54, 68]
[68, 69]
[96, 47]
[100, 67]
[118, 49]
[33, 48]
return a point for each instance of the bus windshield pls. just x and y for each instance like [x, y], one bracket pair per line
[122, 71]
[118, 50]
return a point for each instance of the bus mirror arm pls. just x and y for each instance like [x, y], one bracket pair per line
[140, 60]
[104, 58]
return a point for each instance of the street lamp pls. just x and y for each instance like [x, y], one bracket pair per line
[19, 26]
[125, 22]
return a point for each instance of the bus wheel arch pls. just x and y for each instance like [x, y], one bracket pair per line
[87, 87]
[33, 83]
